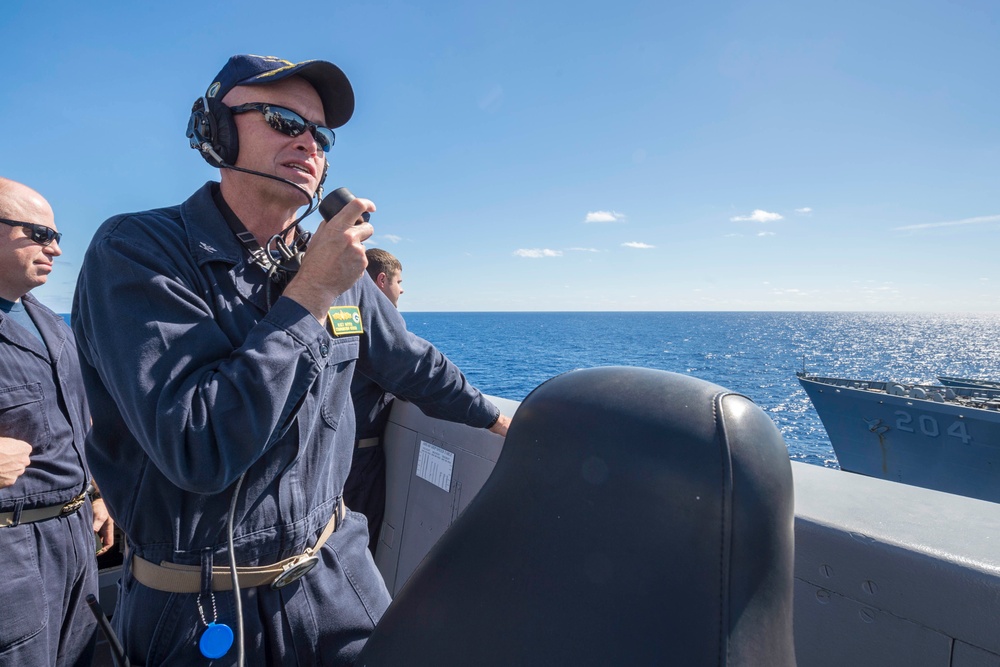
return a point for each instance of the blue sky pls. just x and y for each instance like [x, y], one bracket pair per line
[566, 155]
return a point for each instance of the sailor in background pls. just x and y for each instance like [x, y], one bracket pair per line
[218, 361]
[47, 522]
[364, 490]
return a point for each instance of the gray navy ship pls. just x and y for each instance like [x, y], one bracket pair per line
[944, 437]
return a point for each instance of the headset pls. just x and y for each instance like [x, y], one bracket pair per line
[212, 131]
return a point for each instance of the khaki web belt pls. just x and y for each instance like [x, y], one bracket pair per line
[174, 578]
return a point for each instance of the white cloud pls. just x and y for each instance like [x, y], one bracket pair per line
[638, 244]
[869, 287]
[758, 216]
[392, 238]
[604, 216]
[804, 211]
[586, 249]
[953, 223]
[765, 234]
[535, 253]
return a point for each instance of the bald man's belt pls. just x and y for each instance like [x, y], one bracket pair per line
[174, 578]
[364, 443]
[15, 518]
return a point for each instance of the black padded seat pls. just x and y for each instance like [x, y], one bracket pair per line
[635, 517]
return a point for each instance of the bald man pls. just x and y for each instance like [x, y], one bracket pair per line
[47, 520]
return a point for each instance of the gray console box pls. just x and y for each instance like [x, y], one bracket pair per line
[434, 469]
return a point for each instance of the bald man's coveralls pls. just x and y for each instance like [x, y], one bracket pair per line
[49, 565]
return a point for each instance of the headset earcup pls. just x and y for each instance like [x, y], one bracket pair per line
[200, 131]
[226, 141]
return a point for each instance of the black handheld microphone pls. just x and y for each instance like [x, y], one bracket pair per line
[336, 200]
[289, 258]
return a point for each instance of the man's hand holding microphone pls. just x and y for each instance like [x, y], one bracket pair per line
[335, 259]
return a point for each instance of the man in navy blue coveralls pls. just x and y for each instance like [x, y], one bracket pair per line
[47, 523]
[216, 390]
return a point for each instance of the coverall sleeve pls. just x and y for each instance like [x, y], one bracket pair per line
[204, 403]
[409, 367]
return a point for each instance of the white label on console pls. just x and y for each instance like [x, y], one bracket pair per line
[435, 465]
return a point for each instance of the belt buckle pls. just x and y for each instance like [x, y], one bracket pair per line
[294, 571]
[74, 504]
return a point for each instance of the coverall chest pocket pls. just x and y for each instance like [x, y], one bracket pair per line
[337, 386]
[23, 416]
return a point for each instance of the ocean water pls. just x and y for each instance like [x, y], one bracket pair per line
[755, 354]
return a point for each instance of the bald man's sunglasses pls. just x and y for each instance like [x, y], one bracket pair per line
[290, 123]
[38, 233]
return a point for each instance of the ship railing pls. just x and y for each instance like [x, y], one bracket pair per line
[975, 397]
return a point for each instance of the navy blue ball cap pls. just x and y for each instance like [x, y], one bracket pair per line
[329, 81]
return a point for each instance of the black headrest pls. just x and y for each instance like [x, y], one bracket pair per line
[635, 517]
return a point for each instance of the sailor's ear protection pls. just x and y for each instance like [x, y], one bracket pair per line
[212, 132]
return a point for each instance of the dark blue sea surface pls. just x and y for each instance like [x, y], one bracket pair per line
[755, 354]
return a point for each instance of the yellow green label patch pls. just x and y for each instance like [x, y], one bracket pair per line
[345, 321]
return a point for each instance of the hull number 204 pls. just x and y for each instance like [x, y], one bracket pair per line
[928, 426]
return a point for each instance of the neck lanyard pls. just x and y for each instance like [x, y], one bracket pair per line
[279, 270]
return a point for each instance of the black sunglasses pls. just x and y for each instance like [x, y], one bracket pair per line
[288, 122]
[39, 233]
